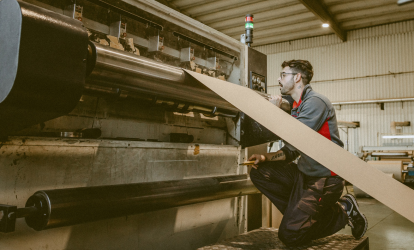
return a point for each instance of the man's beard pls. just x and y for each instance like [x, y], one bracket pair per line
[285, 92]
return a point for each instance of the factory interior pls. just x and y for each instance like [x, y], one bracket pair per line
[129, 124]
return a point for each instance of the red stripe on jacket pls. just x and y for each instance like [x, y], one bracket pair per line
[324, 130]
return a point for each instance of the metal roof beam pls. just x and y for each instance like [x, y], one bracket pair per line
[320, 11]
[168, 4]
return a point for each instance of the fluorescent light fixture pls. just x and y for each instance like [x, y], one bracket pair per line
[398, 136]
[325, 25]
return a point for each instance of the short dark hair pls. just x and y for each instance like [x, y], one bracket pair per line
[301, 66]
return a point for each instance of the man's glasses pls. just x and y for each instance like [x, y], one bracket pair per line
[283, 74]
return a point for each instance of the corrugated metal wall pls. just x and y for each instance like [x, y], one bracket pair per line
[375, 63]
[383, 30]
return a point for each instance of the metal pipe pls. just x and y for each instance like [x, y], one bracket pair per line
[27, 211]
[374, 101]
[64, 207]
[368, 76]
[387, 148]
[119, 69]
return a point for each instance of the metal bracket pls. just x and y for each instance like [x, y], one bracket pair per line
[8, 218]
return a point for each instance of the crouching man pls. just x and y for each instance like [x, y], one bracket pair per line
[307, 194]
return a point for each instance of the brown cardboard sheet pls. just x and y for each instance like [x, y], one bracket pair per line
[361, 194]
[340, 161]
[394, 167]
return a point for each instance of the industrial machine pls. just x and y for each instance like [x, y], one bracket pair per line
[99, 121]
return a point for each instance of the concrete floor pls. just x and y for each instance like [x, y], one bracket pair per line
[386, 228]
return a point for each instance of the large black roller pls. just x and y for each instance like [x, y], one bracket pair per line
[64, 207]
[42, 64]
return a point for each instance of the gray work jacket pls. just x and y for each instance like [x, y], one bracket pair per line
[318, 113]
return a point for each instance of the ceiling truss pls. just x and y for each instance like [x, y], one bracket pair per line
[279, 21]
[322, 13]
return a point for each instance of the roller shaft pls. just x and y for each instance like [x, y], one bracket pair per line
[63, 207]
[119, 69]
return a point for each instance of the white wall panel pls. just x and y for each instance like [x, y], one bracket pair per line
[382, 30]
[375, 63]
[373, 120]
[376, 56]
[299, 44]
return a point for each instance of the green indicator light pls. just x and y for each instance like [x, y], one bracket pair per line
[248, 25]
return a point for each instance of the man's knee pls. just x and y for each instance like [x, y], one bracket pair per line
[267, 174]
[291, 232]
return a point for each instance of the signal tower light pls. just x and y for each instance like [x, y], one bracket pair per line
[248, 26]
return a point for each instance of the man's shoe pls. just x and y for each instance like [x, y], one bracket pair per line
[357, 221]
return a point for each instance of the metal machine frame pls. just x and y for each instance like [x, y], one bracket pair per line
[83, 85]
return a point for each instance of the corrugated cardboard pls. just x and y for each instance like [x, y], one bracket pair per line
[394, 167]
[389, 191]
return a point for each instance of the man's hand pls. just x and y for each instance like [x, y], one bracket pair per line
[257, 159]
[276, 100]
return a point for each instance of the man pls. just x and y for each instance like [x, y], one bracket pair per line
[307, 194]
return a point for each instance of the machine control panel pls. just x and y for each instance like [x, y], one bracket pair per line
[253, 133]
[258, 82]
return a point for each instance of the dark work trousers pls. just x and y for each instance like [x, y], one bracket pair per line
[308, 204]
